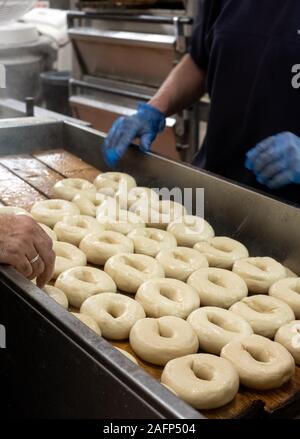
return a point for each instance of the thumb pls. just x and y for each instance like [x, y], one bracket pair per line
[146, 141]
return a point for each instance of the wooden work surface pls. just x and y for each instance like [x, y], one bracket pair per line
[27, 179]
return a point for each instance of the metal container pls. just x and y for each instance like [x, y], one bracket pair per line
[53, 365]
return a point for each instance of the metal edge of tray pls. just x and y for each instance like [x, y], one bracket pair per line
[132, 380]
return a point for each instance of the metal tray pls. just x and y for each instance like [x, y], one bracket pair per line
[53, 366]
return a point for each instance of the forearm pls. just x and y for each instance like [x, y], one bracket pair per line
[184, 85]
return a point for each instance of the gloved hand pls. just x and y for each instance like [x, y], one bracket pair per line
[276, 160]
[145, 124]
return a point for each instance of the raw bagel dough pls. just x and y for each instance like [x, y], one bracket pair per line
[158, 341]
[167, 297]
[202, 380]
[109, 183]
[216, 327]
[180, 262]
[88, 321]
[189, 229]
[67, 256]
[88, 203]
[116, 219]
[73, 229]
[99, 247]
[128, 355]
[67, 188]
[149, 241]
[259, 273]
[130, 271]
[57, 295]
[261, 363]
[264, 313]
[49, 231]
[159, 215]
[218, 287]
[288, 290]
[222, 252]
[79, 283]
[114, 313]
[142, 195]
[49, 212]
[11, 210]
[289, 337]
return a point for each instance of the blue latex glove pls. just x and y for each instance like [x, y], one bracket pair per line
[276, 160]
[145, 124]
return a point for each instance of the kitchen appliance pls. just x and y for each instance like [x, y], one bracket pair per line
[121, 56]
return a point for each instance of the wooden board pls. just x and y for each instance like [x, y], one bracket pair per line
[67, 164]
[32, 171]
[26, 179]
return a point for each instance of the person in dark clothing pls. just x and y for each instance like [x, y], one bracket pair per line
[246, 55]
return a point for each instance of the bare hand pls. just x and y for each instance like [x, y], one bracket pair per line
[21, 240]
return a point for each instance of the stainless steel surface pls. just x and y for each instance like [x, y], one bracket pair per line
[266, 226]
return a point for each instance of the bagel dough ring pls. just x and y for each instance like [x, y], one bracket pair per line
[159, 215]
[49, 212]
[67, 256]
[202, 380]
[49, 231]
[218, 287]
[73, 229]
[150, 241]
[88, 321]
[222, 252]
[114, 313]
[128, 355]
[12, 210]
[289, 337]
[109, 183]
[88, 203]
[158, 341]
[261, 363]
[57, 295]
[142, 195]
[180, 262]
[264, 313]
[116, 219]
[189, 229]
[216, 327]
[67, 188]
[288, 290]
[79, 283]
[130, 271]
[99, 247]
[259, 273]
[167, 297]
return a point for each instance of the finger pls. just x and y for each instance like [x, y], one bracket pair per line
[280, 180]
[270, 171]
[31, 253]
[47, 274]
[23, 266]
[146, 141]
[266, 158]
[48, 257]
[258, 149]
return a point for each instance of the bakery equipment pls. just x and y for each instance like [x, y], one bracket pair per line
[71, 372]
[121, 56]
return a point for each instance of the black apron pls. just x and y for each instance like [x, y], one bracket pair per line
[248, 49]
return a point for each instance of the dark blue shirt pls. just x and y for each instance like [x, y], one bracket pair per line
[248, 49]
